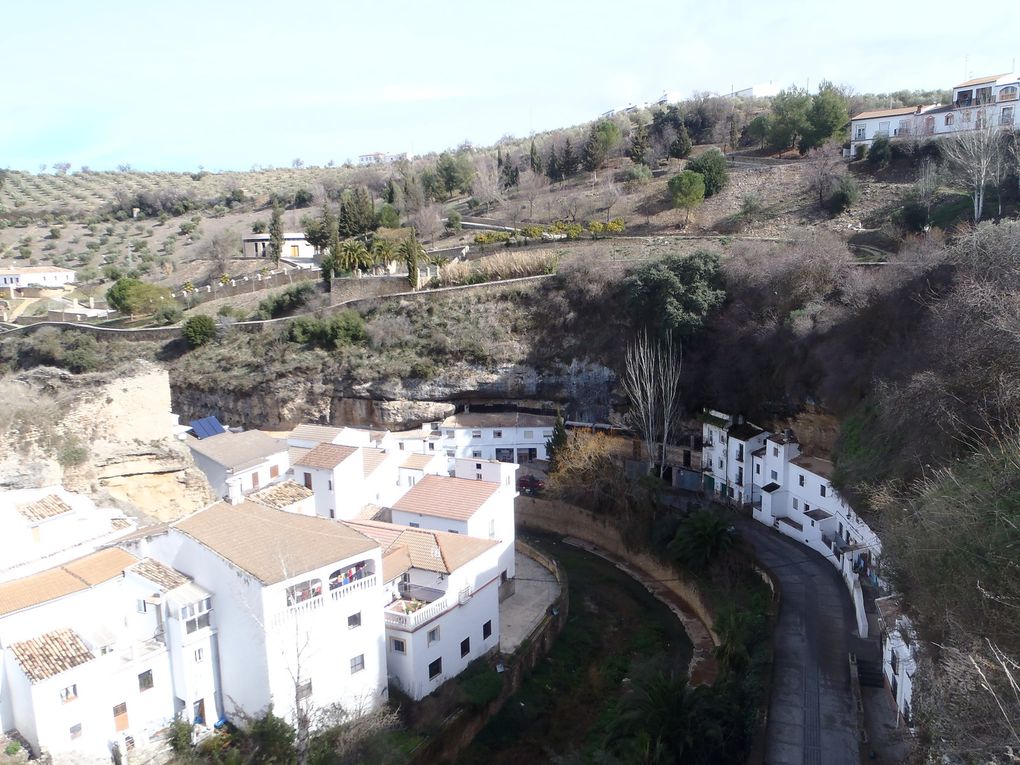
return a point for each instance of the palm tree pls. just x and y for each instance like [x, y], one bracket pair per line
[353, 254]
[702, 537]
[383, 251]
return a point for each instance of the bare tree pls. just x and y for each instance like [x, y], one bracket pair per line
[822, 171]
[652, 382]
[929, 181]
[485, 186]
[428, 222]
[609, 192]
[531, 185]
[971, 156]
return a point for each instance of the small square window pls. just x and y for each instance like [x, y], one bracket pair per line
[465, 646]
[478, 465]
[75, 730]
[432, 447]
[449, 453]
[399, 646]
[821, 489]
[304, 690]
[775, 475]
[145, 680]
[795, 503]
[414, 524]
[357, 663]
[70, 693]
[800, 479]
[433, 635]
[435, 669]
[141, 606]
[486, 629]
[775, 451]
[529, 435]
[497, 434]
[476, 434]
[199, 655]
[354, 620]
[477, 454]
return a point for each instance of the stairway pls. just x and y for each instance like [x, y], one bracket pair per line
[870, 672]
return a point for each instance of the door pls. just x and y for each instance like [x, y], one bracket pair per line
[199, 709]
[294, 250]
[255, 480]
[120, 717]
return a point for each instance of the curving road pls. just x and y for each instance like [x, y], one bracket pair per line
[812, 713]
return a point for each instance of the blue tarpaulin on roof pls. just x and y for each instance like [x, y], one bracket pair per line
[207, 426]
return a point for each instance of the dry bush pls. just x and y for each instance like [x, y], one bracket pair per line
[503, 265]
[388, 330]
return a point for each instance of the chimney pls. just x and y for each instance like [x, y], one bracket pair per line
[234, 493]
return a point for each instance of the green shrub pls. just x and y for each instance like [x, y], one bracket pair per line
[342, 329]
[482, 688]
[712, 166]
[880, 153]
[12, 748]
[288, 301]
[72, 453]
[167, 314]
[638, 175]
[845, 196]
[199, 330]
[259, 227]
[453, 220]
[389, 217]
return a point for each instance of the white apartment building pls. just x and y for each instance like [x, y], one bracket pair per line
[477, 502]
[296, 607]
[442, 611]
[979, 102]
[238, 463]
[727, 444]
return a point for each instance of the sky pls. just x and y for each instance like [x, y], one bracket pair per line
[229, 85]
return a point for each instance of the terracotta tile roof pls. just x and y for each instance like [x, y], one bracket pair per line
[50, 654]
[499, 420]
[281, 495]
[372, 458]
[445, 497]
[325, 456]
[980, 80]
[899, 111]
[417, 461]
[295, 453]
[395, 563]
[119, 524]
[272, 545]
[48, 507]
[437, 551]
[159, 574]
[237, 451]
[63, 580]
[320, 434]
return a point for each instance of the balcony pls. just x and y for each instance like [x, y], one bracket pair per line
[335, 595]
[409, 613]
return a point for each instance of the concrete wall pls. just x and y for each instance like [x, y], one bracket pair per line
[342, 290]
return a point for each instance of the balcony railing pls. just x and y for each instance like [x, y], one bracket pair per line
[395, 617]
[334, 595]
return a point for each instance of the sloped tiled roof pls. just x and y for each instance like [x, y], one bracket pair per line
[437, 551]
[417, 461]
[159, 574]
[372, 459]
[325, 456]
[63, 580]
[273, 545]
[50, 654]
[100, 566]
[445, 497]
[281, 495]
[499, 420]
[898, 111]
[320, 434]
[237, 451]
[816, 465]
[49, 506]
[980, 80]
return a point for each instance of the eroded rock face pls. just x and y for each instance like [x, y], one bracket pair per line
[584, 390]
[105, 436]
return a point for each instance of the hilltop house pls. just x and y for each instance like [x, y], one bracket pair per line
[12, 278]
[295, 247]
[976, 103]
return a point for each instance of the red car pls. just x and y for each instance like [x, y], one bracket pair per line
[530, 484]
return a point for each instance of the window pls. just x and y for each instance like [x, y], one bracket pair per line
[979, 122]
[357, 663]
[274, 471]
[720, 462]
[75, 730]
[465, 646]
[757, 469]
[199, 655]
[775, 451]
[414, 524]
[452, 531]
[476, 434]
[478, 476]
[841, 528]
[529, 435]
[859, 132]
[795, 503]
[775, 475]
[1006, 117]
[478, 466]
[329, 484]
[883, 128]
[433, 635]
[399, 646]
[449, 453]
[120, 717]
[435, 669]
[308, 480]
[477, 454]
[547, 434]
[449, 434]
[255, 480]
[807, 508]
[140, 606]
[400, 446]
[821, 489]
[492, 528]
[145, 680]
[965, 116]
[434, 425]
[486, 629]
[432, 447]
[497, 434]
[302, 591]
[354, 620]
[1008, 93]
[70, 693]
[196, 615]
[304, 690]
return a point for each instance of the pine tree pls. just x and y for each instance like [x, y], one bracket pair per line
[638, 145]
[276, 234]
[552, 167]
[556, 443]
[682, 144]
[568, 162]
[534, 159]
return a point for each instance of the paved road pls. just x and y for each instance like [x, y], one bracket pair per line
[812, 717]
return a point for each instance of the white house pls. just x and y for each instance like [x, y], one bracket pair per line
[43, 527]
[516, 437]
[295, 247]
[296, 606]
[727, 445]
[286, 495]
[978, 102]
[478, 501]
[346, 478]
[86, 656]
[442, 611]
[899, 654]
[35, 276]
[237, 463]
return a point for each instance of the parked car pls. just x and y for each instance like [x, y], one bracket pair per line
[530, 484]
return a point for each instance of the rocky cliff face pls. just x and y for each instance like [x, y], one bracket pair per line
[105, 436]
[583, 389]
